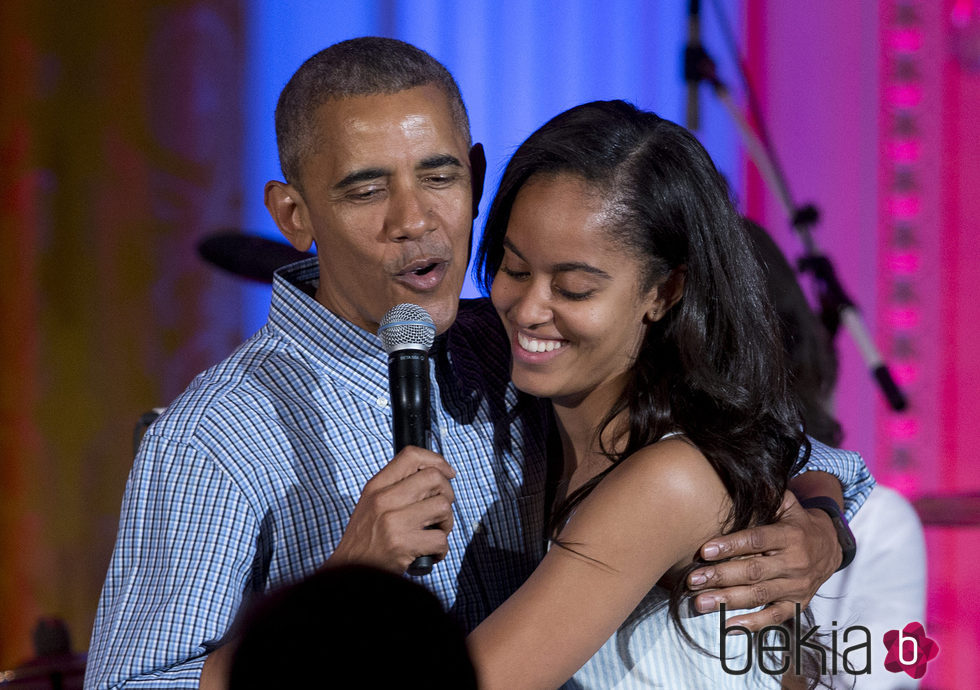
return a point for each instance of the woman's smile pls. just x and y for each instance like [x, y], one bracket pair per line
[534, 350]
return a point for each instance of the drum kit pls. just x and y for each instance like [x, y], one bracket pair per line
[54, 664]
[247, 255]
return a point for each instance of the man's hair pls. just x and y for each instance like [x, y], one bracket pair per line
[357, 67]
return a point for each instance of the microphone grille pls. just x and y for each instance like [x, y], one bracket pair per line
[407, 326]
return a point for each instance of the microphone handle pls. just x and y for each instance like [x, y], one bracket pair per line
[408, 386]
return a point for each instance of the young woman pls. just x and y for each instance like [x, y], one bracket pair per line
[633, 301]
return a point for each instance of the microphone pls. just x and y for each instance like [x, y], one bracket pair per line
[692, 56]
[407, 332]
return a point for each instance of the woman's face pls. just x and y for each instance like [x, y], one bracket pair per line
[570, 300]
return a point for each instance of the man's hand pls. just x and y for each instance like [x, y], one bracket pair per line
[404, 512]
[780, 565]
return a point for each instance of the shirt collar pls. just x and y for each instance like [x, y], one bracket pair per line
[341, 347]
[355, 358]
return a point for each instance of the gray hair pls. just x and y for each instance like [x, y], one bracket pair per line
[356, 67]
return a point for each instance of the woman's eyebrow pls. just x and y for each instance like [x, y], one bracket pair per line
[510, 245]
[580, 266]
[563, 267]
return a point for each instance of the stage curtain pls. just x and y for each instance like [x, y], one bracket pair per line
[120, 133]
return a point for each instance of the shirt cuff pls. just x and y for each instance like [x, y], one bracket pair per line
[848, 466]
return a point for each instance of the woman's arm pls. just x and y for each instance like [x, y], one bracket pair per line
[648, 516]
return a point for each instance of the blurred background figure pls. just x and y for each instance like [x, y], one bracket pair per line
[885, 587]
[350, 627]
[53, 667]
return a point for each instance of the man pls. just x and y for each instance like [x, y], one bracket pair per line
[278, 460]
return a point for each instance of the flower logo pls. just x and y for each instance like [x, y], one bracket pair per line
[909, 650]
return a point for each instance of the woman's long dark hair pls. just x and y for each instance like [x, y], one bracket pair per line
[712, 368]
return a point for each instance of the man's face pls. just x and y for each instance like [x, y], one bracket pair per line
[387, 197]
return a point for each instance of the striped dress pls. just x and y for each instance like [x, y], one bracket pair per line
[648, 651]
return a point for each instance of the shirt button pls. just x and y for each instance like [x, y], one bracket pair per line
[382, 401]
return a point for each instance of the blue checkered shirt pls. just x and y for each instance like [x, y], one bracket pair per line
[249, 478]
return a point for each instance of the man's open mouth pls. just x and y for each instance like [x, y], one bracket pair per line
[422, 275]
[425, 269]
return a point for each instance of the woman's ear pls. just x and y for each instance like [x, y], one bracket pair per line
[288, 210]
[667, 294]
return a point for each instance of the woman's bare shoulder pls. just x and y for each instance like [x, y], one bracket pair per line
[673, 465]
[666, 496]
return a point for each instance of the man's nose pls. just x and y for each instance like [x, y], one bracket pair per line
[408, 215]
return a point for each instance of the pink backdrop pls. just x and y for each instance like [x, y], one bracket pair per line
[874, 111]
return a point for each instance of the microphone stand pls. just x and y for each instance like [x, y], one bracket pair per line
[836, 305]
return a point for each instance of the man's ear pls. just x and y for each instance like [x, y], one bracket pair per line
[478, 173]
[668, 293]
[288, 210]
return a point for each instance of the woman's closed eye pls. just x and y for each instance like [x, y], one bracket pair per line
[573, 295]
[564, 292]
[514, 273]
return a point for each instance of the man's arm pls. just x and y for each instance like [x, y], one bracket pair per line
[184, 550]
[187, 547]
[784, 563]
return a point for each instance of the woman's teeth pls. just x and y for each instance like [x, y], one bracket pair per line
[534, 345]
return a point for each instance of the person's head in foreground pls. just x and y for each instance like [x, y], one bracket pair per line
[351, 627]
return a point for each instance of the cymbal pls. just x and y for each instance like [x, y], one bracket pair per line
[949, 510]
[248, 256]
